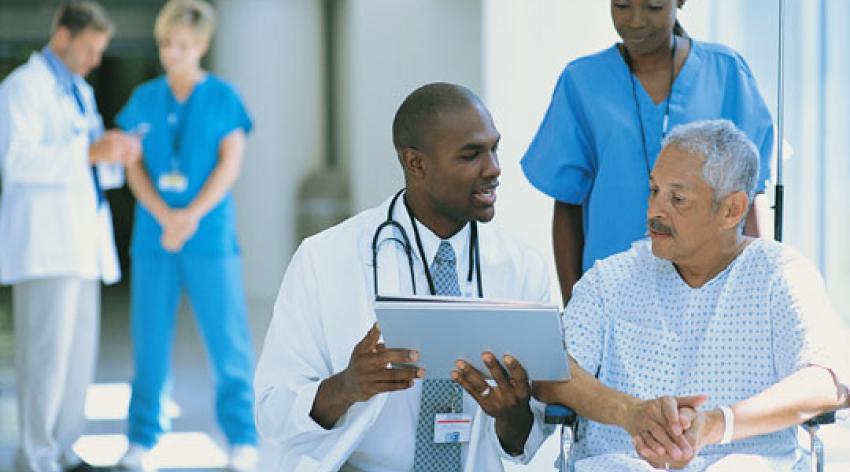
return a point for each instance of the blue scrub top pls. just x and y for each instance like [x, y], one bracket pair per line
[209, 114]
[588, 149]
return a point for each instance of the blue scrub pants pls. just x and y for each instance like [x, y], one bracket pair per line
[215, 289]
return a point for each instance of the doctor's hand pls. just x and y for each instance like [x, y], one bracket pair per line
[507, 402]
[369, 372]
[658, 428]
[115, 147]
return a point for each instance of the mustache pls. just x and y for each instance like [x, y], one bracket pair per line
[658, 227]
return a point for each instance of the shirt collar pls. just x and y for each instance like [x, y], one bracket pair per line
[63, 75]
[430, 241]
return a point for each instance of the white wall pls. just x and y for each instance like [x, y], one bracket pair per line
[526, 46]
[837, 155]
[388, 48]
[272, 50]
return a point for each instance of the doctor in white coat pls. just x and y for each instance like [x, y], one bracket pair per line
[56, 242]
[323, 392]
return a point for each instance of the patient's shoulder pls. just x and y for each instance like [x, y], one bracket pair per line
[769, 260]
[629, 273]
[635, 262]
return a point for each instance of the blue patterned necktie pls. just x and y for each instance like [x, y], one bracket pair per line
[81, 104]
[439, 395]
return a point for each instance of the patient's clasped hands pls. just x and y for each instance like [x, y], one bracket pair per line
[668, 432]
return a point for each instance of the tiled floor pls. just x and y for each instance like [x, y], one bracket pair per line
[196, 444]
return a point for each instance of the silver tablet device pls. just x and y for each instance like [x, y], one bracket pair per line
[446, 329]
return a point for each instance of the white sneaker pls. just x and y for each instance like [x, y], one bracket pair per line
[243, 458]
[136, 458]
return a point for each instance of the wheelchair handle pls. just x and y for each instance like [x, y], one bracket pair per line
[559, 414]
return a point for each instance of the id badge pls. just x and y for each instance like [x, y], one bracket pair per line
[173, 182]
[452, 427]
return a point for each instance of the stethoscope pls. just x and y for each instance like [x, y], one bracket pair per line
[404, 241]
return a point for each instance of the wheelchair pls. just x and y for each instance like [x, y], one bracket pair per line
[560, 415]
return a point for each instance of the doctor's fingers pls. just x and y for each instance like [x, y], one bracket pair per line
[473, 382]
[384, 379]
[383, 355]
[513, 382]
[369, 341]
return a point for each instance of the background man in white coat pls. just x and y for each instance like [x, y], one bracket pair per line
[324, 393]
[56, 241]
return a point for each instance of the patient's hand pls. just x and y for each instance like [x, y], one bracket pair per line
[657, 428]
[701, 430]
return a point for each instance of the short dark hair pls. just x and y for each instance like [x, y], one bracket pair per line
[78, 15]
[420, 110]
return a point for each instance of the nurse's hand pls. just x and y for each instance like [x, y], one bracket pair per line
[178, 226]
[507, 402]
[172, 241]
[369, 372]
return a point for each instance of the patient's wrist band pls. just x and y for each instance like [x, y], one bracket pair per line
[728, 424]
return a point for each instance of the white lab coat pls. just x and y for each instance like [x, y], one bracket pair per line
[325, 306]
[50, 222]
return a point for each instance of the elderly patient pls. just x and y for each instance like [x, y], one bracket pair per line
[699, 346]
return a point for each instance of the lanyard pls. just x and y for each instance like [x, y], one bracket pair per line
[177, 118]
[666, 121]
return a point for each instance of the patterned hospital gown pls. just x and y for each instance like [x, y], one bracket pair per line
[646, 332]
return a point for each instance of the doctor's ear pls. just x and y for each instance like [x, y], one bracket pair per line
[413, 162]
[61, 37]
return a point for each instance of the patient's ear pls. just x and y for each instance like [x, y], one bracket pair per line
[733, 209]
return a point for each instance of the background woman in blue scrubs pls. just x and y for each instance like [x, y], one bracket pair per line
[608, 114]
[184, 236]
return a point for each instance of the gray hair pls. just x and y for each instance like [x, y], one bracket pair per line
[731, 159]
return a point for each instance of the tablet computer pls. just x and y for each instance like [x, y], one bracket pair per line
[446, 329]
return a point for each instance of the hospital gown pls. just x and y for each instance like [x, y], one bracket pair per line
[646, 332]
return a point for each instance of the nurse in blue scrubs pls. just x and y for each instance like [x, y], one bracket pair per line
[184, 240]
[602, 132]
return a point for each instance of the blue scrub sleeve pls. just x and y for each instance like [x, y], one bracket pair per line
[752, 116]
[559, 161]
[235, 114]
